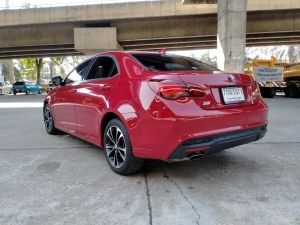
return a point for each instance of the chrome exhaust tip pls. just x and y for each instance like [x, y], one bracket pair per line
[195, 156]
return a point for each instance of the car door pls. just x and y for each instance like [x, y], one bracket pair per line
[64, 99]
[93, 94]
[29, 87]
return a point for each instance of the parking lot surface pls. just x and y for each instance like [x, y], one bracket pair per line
[62, 180]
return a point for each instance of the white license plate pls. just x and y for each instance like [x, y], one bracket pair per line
[233, 95]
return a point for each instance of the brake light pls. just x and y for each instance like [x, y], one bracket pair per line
[255, 92]
[173, 90]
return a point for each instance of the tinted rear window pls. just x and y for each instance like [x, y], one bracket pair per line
[171, 62]
[19, 83]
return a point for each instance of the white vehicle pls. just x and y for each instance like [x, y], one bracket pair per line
[5, 87]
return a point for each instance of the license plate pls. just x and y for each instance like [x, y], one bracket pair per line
[269, 85]
[233, 95]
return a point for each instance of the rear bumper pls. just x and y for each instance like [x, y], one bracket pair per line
[211, 144]
[21, 89]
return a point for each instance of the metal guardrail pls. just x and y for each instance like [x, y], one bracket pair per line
[61, 3]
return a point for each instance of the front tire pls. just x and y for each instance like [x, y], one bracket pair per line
[49, 121]
[118, 150]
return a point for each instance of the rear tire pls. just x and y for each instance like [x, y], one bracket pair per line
[49, 121]
[286, 92]
[15, 93]
[118, 150]
[26, 92]
[292, 90]
[268, 92]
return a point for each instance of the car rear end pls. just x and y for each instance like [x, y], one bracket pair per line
[197, 112]
[19, 87]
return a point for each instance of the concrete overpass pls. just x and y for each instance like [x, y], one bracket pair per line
[149, 25]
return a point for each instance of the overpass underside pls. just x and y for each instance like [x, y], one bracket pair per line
[278, 27]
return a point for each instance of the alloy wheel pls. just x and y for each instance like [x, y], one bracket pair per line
[115, 146]
[48, 119]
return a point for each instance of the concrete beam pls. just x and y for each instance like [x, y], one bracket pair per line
[102, 13]
[93, 40]
[178, 32]
[49, 34]
[105, 13]
[199, 2]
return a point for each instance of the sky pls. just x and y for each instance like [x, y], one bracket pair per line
[50, 3]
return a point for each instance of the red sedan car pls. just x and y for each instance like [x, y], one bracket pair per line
[138, 105]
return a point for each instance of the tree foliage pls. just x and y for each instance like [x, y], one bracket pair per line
[27, 68]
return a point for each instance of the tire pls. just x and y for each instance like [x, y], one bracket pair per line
[293, 90]
[26, 92]
[118, 150]
[49, 121]
[0, 91]
[14, 92]
[286, 92]
[268, 92]
[40, 91]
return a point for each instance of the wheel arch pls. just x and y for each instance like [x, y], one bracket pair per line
[105, 120]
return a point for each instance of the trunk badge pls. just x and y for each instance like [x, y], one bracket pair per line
[232, 78]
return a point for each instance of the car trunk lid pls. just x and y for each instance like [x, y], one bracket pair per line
[223, 90]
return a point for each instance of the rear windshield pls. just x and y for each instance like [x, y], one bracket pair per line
[159, 62]
[19, 83]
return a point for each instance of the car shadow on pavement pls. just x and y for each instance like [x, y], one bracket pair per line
[218, 164]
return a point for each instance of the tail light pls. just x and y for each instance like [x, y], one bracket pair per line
[173, 90]
[255, 93]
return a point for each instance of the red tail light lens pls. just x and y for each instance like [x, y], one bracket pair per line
[173, 90]
[196, 91]
[255, 93]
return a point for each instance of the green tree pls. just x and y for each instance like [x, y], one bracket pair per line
[58, 62]
[8, 70]
[30, 68]
[39, 65]
[27, 68]
[206, 57]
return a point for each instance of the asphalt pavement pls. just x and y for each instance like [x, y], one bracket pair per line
[62, 180]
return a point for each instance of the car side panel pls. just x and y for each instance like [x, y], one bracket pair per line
[92, 99]
[62, 104]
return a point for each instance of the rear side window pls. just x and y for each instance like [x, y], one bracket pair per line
[78, 73]
[103, 67]
[19, 83]
[159, 62]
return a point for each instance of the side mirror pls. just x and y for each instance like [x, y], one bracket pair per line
[57, 80]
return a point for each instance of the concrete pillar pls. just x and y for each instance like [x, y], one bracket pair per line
[232, 19]
[11, 71]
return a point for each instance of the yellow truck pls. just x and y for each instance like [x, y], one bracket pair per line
[292, 78]
[273, 77]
